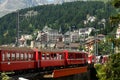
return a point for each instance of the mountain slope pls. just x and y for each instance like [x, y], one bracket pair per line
[8, 6]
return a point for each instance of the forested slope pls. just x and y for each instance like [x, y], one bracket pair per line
[56, 16]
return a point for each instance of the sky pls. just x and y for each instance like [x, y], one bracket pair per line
[50, 0]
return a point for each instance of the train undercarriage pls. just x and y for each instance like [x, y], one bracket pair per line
[31, 74]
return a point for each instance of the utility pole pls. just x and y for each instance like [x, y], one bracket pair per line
[18, 28]
[96, 43]
[17, 41]
[70, 38]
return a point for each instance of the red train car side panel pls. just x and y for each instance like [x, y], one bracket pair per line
[16, 59]
[48, 63]
[19, 65]
[75, 58]
[79, 61]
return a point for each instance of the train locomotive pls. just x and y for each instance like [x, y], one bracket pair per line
[25, 59]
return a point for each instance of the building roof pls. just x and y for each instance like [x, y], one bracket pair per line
[60, 45]
[73, 45]
[92, 41]
[63, 45]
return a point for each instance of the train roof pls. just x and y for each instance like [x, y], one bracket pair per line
[16, 48]
[60, 50]
[40, 50]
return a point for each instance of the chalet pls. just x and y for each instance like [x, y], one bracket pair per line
[85, 31]
[89, 45]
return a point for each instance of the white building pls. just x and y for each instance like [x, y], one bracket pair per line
[85, 31]
[47, 37]
[118, 32]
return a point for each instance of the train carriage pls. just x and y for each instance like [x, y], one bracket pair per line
[12, 59]
[76, 57]
[20, 59]
[51, 58]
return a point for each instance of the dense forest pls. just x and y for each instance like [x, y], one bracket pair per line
[55, 16]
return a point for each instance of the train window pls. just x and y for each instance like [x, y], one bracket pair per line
[25, 56]
[47, 56]
[12, 56]
[29, 56]
[58, 56]
[43, 56]
[3, 57]
[77, 56]
[8, 56]
[54, 56]
[70, 56]
[32, 56]
[17, 56]
[21, 57]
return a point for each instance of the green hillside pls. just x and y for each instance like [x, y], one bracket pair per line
[56, 16]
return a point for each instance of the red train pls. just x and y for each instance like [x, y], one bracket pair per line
[97, 59]
[17, 59]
